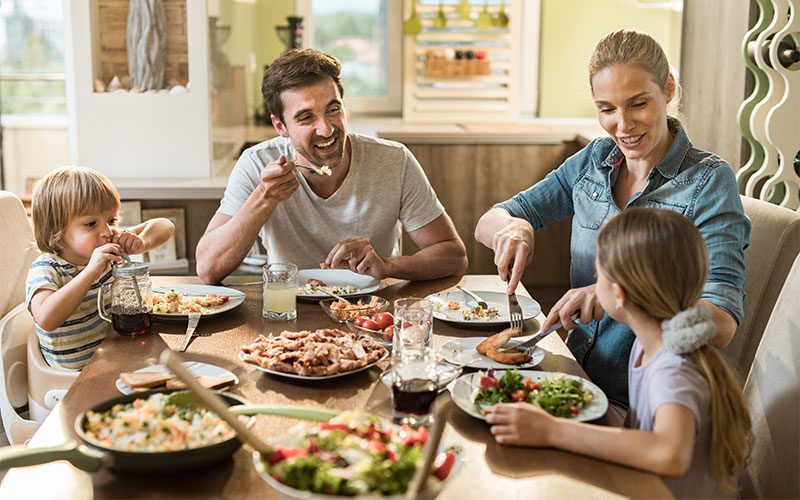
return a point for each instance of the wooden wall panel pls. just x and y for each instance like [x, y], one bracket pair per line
[713, 74]
[113, 56]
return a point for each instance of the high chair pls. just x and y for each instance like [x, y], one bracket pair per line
[17, 370]
[46, 385]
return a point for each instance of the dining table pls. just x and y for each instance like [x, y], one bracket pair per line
[488, 469]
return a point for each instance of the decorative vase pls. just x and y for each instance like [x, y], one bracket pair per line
[147, 43]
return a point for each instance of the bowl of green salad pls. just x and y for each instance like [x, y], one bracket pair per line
[352, 455]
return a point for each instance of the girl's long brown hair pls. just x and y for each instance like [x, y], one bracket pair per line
[659, 259]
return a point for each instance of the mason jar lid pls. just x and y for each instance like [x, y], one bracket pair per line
[130, 269]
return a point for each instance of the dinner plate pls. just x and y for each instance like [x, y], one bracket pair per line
[236, 299]
[336, 277]
[305, 377]
[447, 373]
[195, 368]
[464, 388]
[530, 308]
[462, 352]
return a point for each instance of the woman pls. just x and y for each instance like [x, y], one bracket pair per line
[648, 161]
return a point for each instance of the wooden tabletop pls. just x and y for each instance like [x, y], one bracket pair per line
[489, 470]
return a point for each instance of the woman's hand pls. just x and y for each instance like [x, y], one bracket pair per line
[513, 251]
[582, 300]
[520, 424]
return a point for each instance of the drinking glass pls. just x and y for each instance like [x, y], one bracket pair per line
[280, 292]
[414, 388]
[413, 328]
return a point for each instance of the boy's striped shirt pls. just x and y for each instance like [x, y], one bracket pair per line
[72, 344]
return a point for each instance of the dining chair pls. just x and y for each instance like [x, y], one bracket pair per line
[774, 245]
[772, 392]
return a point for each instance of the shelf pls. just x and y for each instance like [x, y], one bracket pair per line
[449, 95]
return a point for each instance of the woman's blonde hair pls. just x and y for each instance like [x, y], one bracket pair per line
[640, 50]
[62, 195]
[659, 259]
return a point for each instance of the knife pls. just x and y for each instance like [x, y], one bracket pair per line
[194, 318]
[539, 336]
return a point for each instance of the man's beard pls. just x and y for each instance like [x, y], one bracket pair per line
[310, 153]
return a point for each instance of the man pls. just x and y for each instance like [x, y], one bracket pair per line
[350, 219]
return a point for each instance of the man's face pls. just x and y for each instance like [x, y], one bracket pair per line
[314, 119]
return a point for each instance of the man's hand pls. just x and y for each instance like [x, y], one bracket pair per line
[578, 299]
[358, 255]
[101, 257]
[128, 242]
[513, 251]
[278, 180]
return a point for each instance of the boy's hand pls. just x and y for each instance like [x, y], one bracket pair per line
[128, 242]
[101, 257]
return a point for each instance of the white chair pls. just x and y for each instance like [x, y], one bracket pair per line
[22, 382]
[772, 392]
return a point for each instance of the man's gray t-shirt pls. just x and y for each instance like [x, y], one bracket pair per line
[385, 189]
[672, 378]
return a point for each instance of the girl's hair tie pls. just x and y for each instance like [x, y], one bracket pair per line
[688, 330]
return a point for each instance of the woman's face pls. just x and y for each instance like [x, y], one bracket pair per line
[632, 109]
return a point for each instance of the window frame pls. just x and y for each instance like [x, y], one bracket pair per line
[391, 103]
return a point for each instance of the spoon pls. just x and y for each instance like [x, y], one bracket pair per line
[324, 171]
[319, 289]
[174, 362]
[127, 261]
[441, 407]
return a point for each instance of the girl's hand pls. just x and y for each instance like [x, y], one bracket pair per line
[513, 251]
[578, 299]
[101, 257]
[128, 242]
[520, 424]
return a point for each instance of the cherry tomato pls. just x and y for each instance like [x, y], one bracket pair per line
[574, 410]
[383, 320]
[359, 321]
[443, 465]
[519, 395]
[388, 332]
[531, 385]
[370, 325]
[488, 382]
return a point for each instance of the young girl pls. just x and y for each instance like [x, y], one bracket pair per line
[75, 216]
[688, 416]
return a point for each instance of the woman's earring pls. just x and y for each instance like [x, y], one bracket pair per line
[618, 306]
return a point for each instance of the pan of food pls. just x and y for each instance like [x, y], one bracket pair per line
[154, 432]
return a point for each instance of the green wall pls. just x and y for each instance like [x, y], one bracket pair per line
[570, 29]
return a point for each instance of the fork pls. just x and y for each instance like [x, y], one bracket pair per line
[515, 312]
[477, 299]
[313, 170]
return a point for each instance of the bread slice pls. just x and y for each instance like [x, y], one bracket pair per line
[145, 380]
[205, 381]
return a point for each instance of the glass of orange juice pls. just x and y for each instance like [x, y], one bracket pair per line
[280, 292]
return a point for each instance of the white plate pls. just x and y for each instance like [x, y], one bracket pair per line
[236, 298]
[337, 277]
[463, 389]
[530, 308]
[462, 352]
[195, 368]
[305, 377]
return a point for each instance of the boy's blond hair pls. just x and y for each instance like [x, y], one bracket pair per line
[62, 195]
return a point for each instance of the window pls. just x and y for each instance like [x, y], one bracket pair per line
[365, 36]
[32, 81]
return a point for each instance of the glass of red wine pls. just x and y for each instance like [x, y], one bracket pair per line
[415, 385]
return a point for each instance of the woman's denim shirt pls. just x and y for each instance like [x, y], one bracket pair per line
[695, 183]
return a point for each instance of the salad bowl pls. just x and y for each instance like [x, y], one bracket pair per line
[378, 455]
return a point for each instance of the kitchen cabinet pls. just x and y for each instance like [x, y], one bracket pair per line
[471, 177]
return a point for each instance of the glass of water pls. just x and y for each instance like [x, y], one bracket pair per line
[413, 328]
[280, 292]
